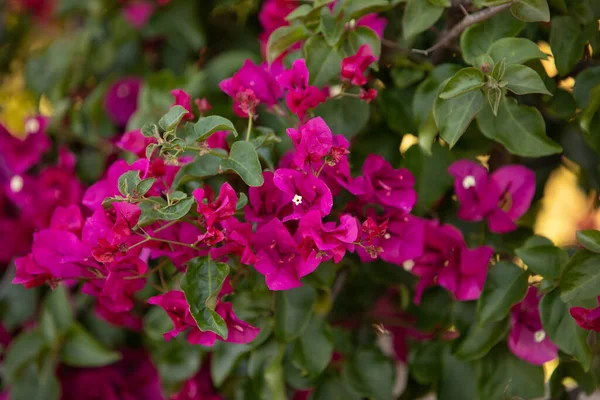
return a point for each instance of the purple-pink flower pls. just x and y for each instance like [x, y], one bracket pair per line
[354, 67]
[120, 100]
[279, 258]
[300, 96]
[134, 142]
[327, 239]
[312, 141]
[302, 192]
[263, 202]
[588, 319]
[18, 155]
[501, 197]
[220, 209]
[527, 338]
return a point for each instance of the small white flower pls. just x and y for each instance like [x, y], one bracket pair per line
[387, 236]
[16, 184]
[539, 336]
[468, 182]
[32, 125]
[297, 200]
[408, 265]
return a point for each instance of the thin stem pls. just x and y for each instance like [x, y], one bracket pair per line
[165, 226]
[250, 121]
[320, 169]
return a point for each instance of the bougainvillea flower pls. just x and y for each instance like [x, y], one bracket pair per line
[295, 77]
[183, 99]
[254, 78]
[279, 258]
[302, 192]
[527, 338]
[388, 186]
[588, 319]
[328, 239]
[354, 67]
[203, 105]
[402, 238]
[447, 261]
[198, 387]
[502, 197]
[135, 142]
[18, 155]
[300, 101]
[120, 100]
[182, 232]
[120, 285]
[312, 141]
[273, 12]
[375, 22]
[264, 201]
[132, 378]
[220, 209]
[368, 95]
[67, 219]
[238, 237]
[138, 13]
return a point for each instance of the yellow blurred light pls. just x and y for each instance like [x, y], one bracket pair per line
[548, 64]
[484, 160]
[408, 141]
[567, 84]
[549, 368]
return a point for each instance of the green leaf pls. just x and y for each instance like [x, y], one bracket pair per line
[586, 381]
[427, 91]
[332, 388]
[242, 201]
[457, 380]
[201, 167]
[523, 80]
[501, 375]
[505, 286]
[144, 186]
[427, 133]
[588, 115]
[521, 129]
[23, 350]
[59, 307]
[243, 159]
[567, 43]
[323, 62]
[425, 360]
[37, 384]
[515, 50]
[224, 358]
[478, 38]
[331, 28]
[419, 15]
[149, 130]
[465, 80]
[299, 12]
[441, 3]
[312, 351]
[531, 10]
[562, 328]
[547, 261]
[590, 239]
[293, 309]
[346, 115]
[172, 118]
[283, 38]
[499, 70]
[363, 35]
[581, 277]
[481, 338]
[494, 96]
[201, 284]
[207, 126]
[128, 182]
[354, 9]
[175, 211]
[265, 367]
[370, 373]
[453, 116]
[80, 349]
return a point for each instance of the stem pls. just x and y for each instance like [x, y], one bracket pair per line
[449, 36]
[320, 169]
[250, 121]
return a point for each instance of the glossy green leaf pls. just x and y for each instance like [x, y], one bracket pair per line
[481, 338]
[453, 116]
[478, 38]
[172, 118]
[207, 126]
[354, 9]
[346, 115]
[591, 112]
[293, 309]
[562, 328]
[223, 360]
[521, 129]
[370, 373]
[531, 10]
[201, 167]
[333, 388]
[243, 159]
[283, 38]
[505, 286]
[313, 350]
[144, 186]
[59, 307]
[323, 62]
[265, 367]
[547, 261]
[427, 91]
[80, 349]
[581, 277]
[331, 28]
[37, 383]
[128, 182]
[567, 43]
[515, 50]
[150, 130]
[176, 211]
[419, 16]
[465, 80]
[499, 70]
[23, 350]
[201, 284]
[523, 80]
[590, 239]
[494, 97]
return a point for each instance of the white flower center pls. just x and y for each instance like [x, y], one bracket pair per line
[297, 200]
[408, 265]
[539, 336]
[32, 125]
[387, 236]
[468, 182]
[16, 184]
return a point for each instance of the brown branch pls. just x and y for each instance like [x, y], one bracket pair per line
[449, 36]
